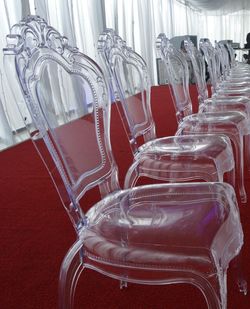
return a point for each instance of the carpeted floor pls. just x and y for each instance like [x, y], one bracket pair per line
[36, 233]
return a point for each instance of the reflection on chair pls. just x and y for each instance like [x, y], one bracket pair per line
[234, 124]
[178, 158]
[155, 234]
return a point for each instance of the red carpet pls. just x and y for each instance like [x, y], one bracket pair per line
[36, 233]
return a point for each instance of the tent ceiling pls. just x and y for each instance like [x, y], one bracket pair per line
[223, 6]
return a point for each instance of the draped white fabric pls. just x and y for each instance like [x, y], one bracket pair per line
[137, 21]
[10, 119]
[233, 26]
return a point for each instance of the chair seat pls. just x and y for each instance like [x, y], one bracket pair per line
[229, 98]
[231, 90]
[169, 226]
[226, 122]
[184, 158]
[219, 117]
[236, 83]
[241, 104]
[205, 145]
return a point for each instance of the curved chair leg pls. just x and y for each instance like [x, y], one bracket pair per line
[247, 152]
[231, 177]
[137, 170]
[131, 176]
[214, 289]
[239, 165]
[70, 271]
[240, 277]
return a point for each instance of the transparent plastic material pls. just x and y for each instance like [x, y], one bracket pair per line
[155, 234]
[216, 103]
[227, 74]
[230, 90]
[174, 159]
[238, 69]
[221, 83]
[233, 124]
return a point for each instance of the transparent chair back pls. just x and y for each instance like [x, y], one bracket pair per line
[130, 83]
[231, 52]
[210, 59]
[225, 59]
[177, 75]
[199, 68]
[65, 99]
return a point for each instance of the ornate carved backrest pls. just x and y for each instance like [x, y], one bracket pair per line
[209, 54]
[224, 59]
[198, 64]
[178, 75]
[69, 102]
[231, 55]
[131, 85]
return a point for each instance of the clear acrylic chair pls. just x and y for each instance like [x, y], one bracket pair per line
[173, 159]
[215, 103]
[231, 79]
[226, 70]
[229, 92]
[234, 124]
[154, 234]
[230, 72]
[220, 84]
[237, 68]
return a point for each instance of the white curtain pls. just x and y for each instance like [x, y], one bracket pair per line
[11, 13]
[81, 21]
[6, 136]
[233, 26]
[137, 21]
